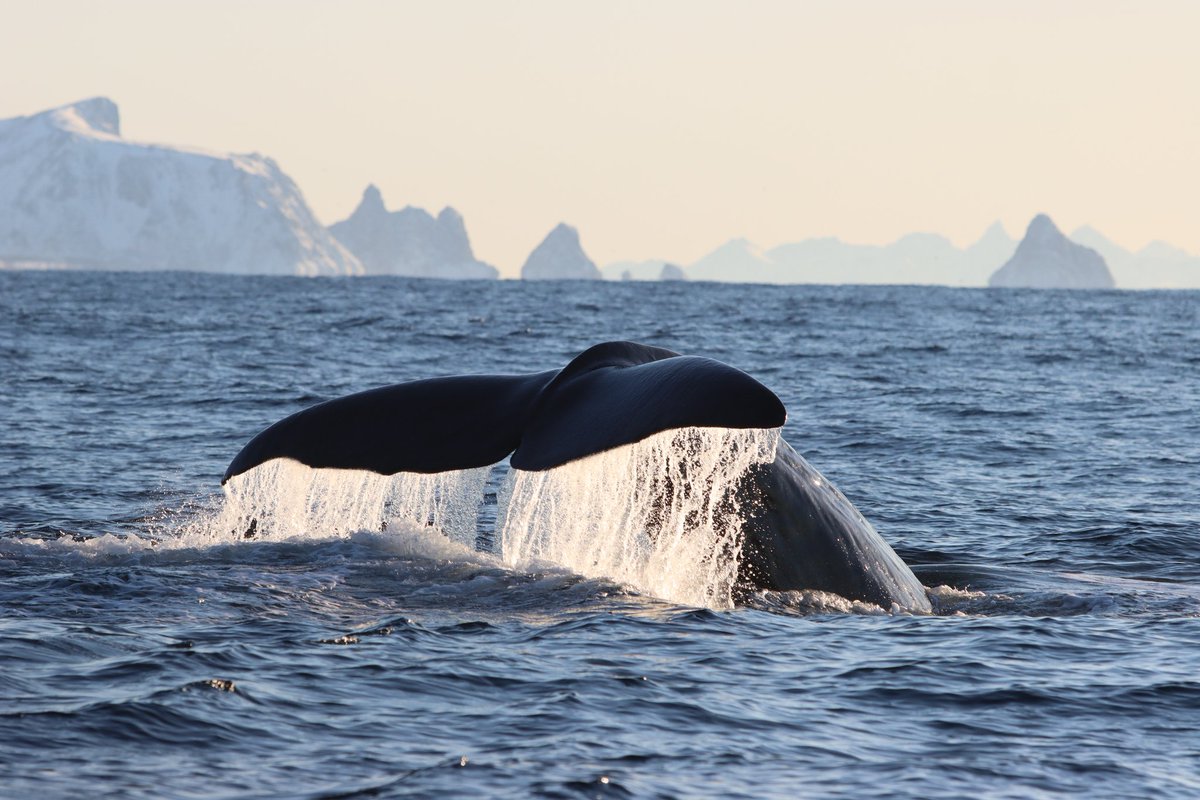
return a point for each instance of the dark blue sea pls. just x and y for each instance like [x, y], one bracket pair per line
[1033, 455]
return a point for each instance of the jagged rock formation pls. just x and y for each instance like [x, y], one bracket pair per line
[75, 194]
[1045, 259]
[409, 241]
[559, 257]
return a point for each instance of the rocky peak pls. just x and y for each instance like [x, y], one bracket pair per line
[564, 235]
[560, 256]
[994, 235]
[451, 222]
[371, 204]
[409, 242]
[1043, 230]
[1046, 259]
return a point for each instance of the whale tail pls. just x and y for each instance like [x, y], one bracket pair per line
[612, 394]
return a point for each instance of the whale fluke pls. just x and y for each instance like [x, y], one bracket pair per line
[798, 532]
[433, 425]
[613, 394]
[620, 393]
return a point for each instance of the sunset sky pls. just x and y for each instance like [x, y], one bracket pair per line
[662, 128]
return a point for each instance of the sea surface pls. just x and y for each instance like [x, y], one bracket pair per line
[1033, 455]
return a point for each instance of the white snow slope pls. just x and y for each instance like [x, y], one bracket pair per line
[74, 194]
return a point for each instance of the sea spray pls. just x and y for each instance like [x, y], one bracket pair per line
[284, 499]
[663, 515]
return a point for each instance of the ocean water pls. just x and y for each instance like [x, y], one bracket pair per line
[1034, 456]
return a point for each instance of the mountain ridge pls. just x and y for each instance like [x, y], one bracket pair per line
[1047, 259]
[410, 241]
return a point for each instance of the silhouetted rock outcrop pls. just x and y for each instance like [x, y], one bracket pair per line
[410, 241]
[1045, 259]
[560, 257]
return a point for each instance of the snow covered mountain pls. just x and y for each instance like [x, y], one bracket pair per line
[75, 194]
[1045, 259]
[409, 241]
[560, 256]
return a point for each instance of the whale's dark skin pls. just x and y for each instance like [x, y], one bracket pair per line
[802, 533]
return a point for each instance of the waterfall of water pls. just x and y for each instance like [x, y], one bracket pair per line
[662, 515]
[283, 499]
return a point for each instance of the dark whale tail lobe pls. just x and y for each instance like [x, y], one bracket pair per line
[613, 394]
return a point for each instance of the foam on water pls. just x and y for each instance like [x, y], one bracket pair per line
[662, 515]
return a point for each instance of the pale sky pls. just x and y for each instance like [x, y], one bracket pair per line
[662, 128]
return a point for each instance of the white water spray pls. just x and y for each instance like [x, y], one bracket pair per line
[284, 499]
[662, 515]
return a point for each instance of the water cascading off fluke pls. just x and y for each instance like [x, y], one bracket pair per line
[285, 499]
[663, 516]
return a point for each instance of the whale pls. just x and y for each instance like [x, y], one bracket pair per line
[799, 533]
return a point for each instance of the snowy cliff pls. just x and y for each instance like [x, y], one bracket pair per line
[560, 256]
[75, 194]
[1045, 259]
[409, 241]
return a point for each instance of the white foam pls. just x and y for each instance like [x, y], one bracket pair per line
[811, 601]
[662, 515]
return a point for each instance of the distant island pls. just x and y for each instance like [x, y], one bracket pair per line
[75, 194]
[410, 241]
[919, 258]
[560, 256]
[1045, 259]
